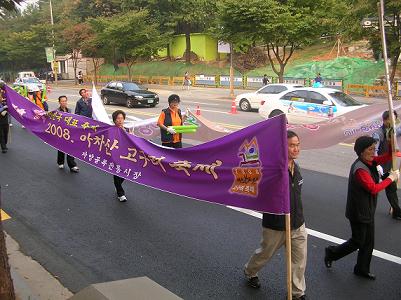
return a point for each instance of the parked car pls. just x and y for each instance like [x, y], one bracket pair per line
[29, 83]
[253, 100]
[309, 105]
[128, 93]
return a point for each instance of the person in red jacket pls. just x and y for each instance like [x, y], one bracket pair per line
[363, 187]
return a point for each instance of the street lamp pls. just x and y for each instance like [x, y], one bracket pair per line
[54, 50]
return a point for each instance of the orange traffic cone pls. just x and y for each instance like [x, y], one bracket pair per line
[197, 112]
[233, 108]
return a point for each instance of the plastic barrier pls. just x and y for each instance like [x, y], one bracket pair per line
[177, 80]
[375, 90]
[357, 89]
[225, 81]
[293, 80]
[255, 82]
[205, 80]
[161, 80]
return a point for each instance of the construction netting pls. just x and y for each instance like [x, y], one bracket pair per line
[351, 70]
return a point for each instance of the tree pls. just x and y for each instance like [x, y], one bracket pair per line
[133, 35]
[9, 5]
[281, 26]
[368, 8]
[74, 38]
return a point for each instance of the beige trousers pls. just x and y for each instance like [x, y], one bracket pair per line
[272, 240]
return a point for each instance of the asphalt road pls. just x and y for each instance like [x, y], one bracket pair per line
[73, 225]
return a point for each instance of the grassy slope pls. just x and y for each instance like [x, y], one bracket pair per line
[301, 65]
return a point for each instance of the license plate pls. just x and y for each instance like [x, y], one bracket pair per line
[150, 101]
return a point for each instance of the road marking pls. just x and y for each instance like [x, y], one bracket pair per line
[347, 145]
[212, 104]
[4, 215]
[326, 237]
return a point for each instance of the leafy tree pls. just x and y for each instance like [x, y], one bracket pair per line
[134, 35]
[368, 8]
[281, 26]
[74, 39]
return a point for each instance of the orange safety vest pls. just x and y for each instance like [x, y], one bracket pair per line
[37, 100]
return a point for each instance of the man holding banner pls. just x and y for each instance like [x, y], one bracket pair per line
[273, 237]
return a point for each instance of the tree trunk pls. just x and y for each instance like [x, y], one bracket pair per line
[168, 52]
[281, 73]
[394, 65]
[129, 67]
[187, 29]
[95, 66]
[6, 282]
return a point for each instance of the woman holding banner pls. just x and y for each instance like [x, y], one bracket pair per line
[118, 119]
[171, 116]
[363, 187]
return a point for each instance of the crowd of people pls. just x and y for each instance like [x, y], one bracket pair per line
[370, 173]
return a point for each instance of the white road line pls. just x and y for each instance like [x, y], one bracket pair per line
[212, 104]
[327, 237]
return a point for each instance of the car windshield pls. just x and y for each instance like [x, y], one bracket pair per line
[344, 100]
[130, 86]
[31, 80]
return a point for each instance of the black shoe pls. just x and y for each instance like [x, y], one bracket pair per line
[396, 217]
[3, 150]
[327, 261]
[303, 297]
[365, 275]
[253, 282]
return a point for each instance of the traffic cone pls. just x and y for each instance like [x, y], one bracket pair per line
[233, 108]
[197, 112]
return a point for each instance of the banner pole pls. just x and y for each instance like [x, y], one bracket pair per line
[380, 6]
[288, 255]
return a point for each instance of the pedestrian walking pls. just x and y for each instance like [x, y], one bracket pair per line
[273, 234]
[84, 104]
[4, 123]
[382, 138]
[80, 78]
[171, 116]
[187, 81]
[118, 119]
[62, 100]
[363, 187]
[265, 80]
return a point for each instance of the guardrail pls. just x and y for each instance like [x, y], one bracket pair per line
[205, 80]
[366, 90]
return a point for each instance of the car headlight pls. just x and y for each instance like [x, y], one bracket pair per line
[138, 97]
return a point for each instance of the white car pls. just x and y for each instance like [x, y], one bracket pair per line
[30, 83]
[309, 105]
[249, 101]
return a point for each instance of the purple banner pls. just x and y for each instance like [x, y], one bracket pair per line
[245, 169]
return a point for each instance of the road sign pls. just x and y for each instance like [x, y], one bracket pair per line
[49, 54]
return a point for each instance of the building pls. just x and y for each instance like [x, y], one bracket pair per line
[66, 65]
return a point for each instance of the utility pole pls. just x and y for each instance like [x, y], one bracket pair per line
[231, 71]
[55, 68]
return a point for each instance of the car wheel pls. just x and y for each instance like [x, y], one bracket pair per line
[244, 105]
[106, 101]
[275, 112]
[130, 103]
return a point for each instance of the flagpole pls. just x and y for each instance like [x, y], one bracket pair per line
[387, 76]
[288, 255]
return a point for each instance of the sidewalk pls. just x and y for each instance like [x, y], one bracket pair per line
[219, 93]
[31, 280]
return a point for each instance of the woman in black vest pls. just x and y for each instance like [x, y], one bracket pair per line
[363, 187]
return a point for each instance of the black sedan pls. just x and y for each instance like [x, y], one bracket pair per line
[129, 93]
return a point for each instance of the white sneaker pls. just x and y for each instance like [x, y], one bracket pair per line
[11, 125]
[61, 166]
[122, 198]
[75, 169]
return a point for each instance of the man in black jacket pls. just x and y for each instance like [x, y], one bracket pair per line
[274, 230]
[4, 123]
[84, 105]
